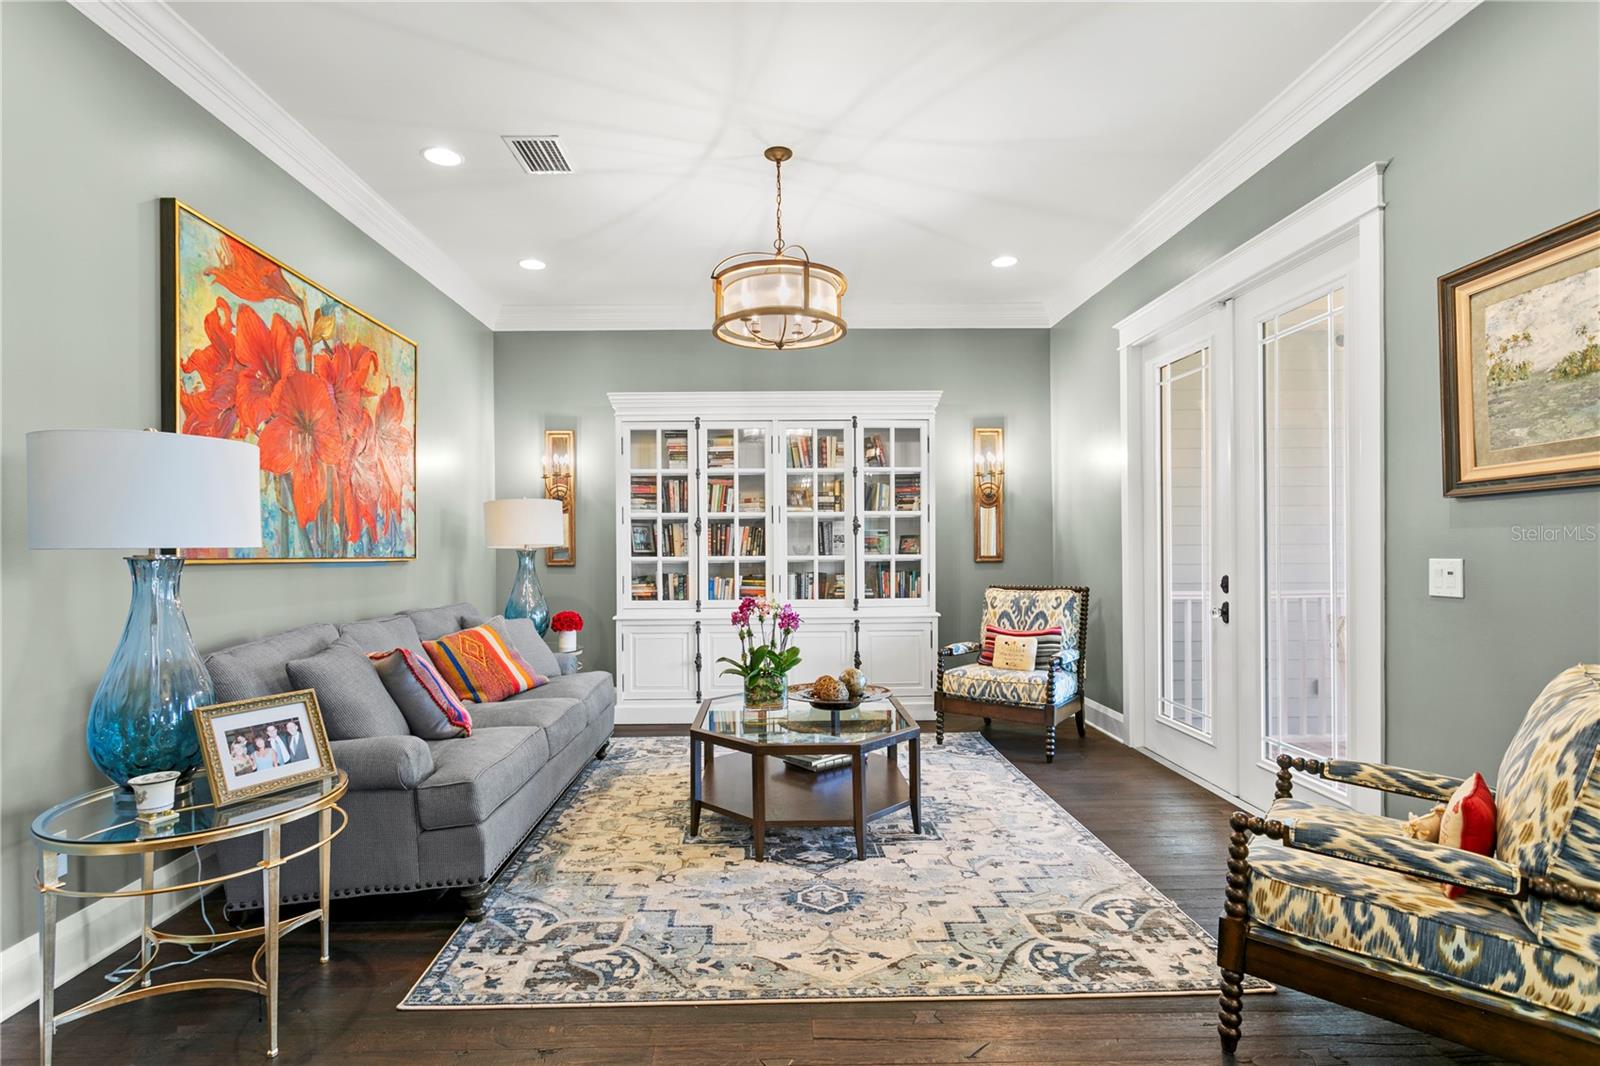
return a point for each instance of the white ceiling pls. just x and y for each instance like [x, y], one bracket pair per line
[928, 138]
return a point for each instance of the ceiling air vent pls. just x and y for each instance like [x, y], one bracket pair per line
[539, 155]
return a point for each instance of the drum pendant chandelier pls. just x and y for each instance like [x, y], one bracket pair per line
[778, 299]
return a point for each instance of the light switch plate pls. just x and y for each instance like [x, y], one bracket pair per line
[1445, 578]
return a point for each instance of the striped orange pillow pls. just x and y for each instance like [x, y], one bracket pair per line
[480, 666]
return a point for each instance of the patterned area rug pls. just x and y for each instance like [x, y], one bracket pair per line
[1003, 895]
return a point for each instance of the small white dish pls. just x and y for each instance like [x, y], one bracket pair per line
[153, 793]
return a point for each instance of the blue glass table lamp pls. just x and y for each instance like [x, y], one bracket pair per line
[525, 525]
[110, 488]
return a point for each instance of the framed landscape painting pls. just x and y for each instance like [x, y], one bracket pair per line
[253, 350]
[1519, 336]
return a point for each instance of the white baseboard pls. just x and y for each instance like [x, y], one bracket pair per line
[88, 935]
[1105, 719]
[1242, 804]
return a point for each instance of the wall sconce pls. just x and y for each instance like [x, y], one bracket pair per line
[560, 481]
[988, 495]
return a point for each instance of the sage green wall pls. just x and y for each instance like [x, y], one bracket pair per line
[560, 381]
[1493, 131]
[92, 138]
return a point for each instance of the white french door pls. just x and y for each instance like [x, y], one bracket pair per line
[1244, 467]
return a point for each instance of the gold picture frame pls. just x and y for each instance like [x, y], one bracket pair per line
[254, 748]
[234, 320]
[1519, 338]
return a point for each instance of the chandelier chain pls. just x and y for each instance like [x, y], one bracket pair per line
[778, 243]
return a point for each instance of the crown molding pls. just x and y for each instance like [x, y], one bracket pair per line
[1388, 37]
[159, 35]
[532, 318]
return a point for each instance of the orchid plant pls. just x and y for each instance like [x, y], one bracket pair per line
[767, 653]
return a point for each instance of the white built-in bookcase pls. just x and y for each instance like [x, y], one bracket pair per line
[820, 499]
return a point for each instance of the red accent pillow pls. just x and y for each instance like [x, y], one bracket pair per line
[1468, 822]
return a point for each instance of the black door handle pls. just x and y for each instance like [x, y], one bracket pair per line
[1221, 612]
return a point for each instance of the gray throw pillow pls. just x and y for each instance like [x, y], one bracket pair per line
[526, 641]
[354, 702]
[424, 711]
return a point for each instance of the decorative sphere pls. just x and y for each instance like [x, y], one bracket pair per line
[854, 681]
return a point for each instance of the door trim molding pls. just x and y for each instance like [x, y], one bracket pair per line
[1352, 209]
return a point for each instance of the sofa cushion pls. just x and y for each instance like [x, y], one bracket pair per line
[592, 688]
[260, 668]
[481, 666]
[561, 719]
[431, 710]
[431, 623]
[1027, 609]
[382, 634]
[1548, 804]
[353, 700]
[990, 684]
[1478, 940]
[521, 635]
[474, 775]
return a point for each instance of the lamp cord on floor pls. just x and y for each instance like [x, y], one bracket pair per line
[132, 965]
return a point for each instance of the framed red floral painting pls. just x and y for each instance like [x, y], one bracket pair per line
[254, 350]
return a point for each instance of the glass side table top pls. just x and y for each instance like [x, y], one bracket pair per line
[802, 724]
[105, 822]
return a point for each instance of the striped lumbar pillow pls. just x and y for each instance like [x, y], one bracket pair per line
[480, 666]
[1049, 644]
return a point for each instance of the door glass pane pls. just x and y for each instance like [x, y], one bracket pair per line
[1185, 505]
[1302, 353]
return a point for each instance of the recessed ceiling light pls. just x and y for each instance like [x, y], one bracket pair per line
[531, 264]
[1003, 261]
[440, 156]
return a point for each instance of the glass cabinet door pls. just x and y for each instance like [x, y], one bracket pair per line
[736, 510]
[815, 461]
[659, 513]
[894, 511]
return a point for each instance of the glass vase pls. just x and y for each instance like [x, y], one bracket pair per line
[766, 689]
[142, 718]
[527, 598]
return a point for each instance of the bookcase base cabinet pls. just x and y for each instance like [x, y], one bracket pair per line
[662, 674]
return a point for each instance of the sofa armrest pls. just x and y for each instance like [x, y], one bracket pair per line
[1349, 836]
[374, 763]
[960, 647]
[1393, 779]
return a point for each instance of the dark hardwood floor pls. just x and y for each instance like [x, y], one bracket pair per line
[1172, 831]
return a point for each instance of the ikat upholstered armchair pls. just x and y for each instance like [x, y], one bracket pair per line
[1350, 908]
[1043, 696]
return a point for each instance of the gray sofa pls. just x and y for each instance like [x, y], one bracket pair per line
[424, 814]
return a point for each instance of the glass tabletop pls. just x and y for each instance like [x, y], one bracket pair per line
[800, 723]
[105, 821]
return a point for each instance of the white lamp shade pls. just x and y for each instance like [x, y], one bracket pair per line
[130, 489]
[532, 523]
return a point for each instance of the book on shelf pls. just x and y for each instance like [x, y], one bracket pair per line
[832, 449]
[719, 495]
[642, 493]
[719, 448]
[753, 499]
[753, 585]
[675, 586]
[675, 539]
[677, 449]
[877, 495]
[644, 586]
[720, 588]
[753, 540]
[799, 452]
[884, 583]
[872, 453]
[675, 491]
[908, 492]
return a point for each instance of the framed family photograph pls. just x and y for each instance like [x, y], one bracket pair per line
[253, 748]
[1519, 337]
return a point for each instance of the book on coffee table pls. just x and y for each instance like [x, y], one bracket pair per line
[818, 763]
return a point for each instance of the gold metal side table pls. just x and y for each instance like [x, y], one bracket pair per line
[103, 823]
